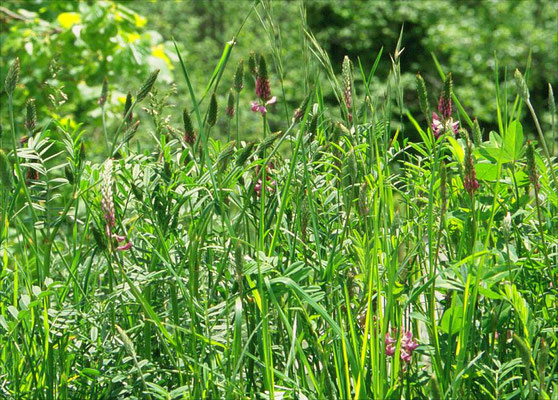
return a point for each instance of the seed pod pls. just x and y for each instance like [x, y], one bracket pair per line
[6, 171]
[212, 112]
[31, 115]
[127, 107]
[522, 88]
[104, 93]
[423, 97]
[12, 77]
[239, 77]
[147, 86]
[244, 153]
[230, 105]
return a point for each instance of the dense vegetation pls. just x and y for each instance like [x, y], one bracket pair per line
[170, 230]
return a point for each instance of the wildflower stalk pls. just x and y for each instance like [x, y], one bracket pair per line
[142, 94]
[11, 82]
[102, 102]
[534, 178]
[523, 91]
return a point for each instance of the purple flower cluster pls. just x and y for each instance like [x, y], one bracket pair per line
[408, 345]
[261, 108]
[444, 124]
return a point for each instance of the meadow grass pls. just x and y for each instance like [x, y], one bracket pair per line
[340, 257]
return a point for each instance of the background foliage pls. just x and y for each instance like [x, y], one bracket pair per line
[81, 42]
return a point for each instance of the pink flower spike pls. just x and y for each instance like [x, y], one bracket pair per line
[405, 356]
[125, 247]
[255, 106]
[389, 340]
[390, 350]
[455, 128]
[118, 237]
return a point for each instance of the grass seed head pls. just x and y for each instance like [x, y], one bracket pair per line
[532, 166]
[253, 63]
[263, 88]
[229, 111]
[12, 77]
[212, 112]
[423, 97]
[189, 133]
[31, 115]
[239, 77]
[147, 86]
[522, 89]
[104, 93]
[6, 170]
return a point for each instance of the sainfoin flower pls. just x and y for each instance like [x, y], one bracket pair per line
[440, 126]
[262, 108]
[390, 344]
[443, 122]
[408, 345]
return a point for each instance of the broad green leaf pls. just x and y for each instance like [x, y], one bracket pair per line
[456, 149]
[486, 171]
[513, 142]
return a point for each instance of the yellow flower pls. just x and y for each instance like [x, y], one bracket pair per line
[68, 19]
